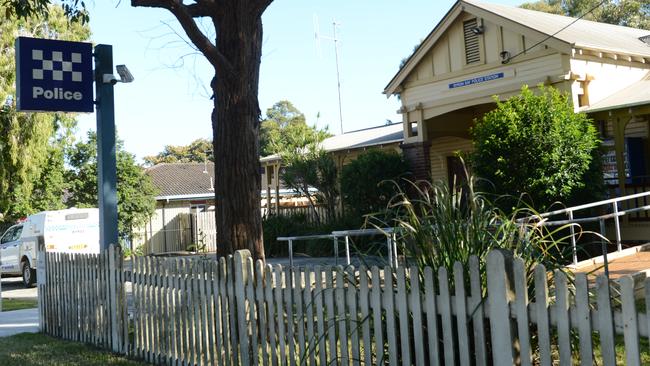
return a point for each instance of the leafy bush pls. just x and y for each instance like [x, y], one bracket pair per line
[535, 145]
[366, 184]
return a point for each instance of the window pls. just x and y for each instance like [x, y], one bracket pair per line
[12, 234]
[471, 31]
[198, 208]
[413, 129]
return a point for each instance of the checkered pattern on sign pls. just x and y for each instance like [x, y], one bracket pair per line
[58, 66]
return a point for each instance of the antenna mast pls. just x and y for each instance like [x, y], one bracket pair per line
[336, 54]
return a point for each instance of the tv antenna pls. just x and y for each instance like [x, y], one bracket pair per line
[336, 41]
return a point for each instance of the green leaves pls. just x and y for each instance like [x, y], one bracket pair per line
[31, 144]
[284, 130]
[197, 151]
[368, 182]
[630, 13]
[135, 191]
[535, 145]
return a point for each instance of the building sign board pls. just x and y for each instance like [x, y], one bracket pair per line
[53, 75]
[477, 80]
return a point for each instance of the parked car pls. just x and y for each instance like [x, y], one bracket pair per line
[67, 231]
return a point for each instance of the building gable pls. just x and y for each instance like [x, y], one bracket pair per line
[520, 33]
[469, 39]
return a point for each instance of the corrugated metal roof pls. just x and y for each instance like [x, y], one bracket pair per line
[582, 34]
[368, 137]
[633, 95]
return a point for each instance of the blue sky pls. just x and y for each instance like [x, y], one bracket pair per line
[168, 103]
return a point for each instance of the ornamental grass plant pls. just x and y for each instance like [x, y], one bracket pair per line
[437, 225]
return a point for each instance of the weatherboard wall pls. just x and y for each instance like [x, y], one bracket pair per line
[607, 76]
[443, 147]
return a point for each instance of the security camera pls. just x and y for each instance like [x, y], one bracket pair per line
[109, 79]
[123, 71]
[478, 30]
[125, 74]
[505, 57]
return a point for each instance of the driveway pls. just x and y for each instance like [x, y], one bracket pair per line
[12, 288]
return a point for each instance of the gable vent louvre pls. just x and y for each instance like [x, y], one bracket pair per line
[472, 49]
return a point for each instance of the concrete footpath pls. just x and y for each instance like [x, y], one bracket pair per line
[18, 321]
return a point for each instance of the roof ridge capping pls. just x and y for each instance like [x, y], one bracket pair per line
[370, 128]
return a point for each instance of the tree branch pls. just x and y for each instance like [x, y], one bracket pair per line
[184, 15]
[260, 5]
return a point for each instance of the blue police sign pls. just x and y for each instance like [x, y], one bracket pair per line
[53, 75]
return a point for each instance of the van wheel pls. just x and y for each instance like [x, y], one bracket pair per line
[29, 275]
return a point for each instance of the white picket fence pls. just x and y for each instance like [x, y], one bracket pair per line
[236, 312]
[82, 298]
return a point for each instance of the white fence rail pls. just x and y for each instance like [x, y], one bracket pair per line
[236, 312]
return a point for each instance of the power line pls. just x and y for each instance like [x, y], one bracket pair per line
[553, 35]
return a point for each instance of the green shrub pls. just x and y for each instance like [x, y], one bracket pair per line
[536, 146]
[366, 184]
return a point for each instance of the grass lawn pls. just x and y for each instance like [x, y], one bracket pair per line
[29, 349]
[18, 304]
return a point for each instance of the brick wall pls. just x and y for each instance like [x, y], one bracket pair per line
[417, 156]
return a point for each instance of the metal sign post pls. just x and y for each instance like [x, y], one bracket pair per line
[53, 75]
[106, 151]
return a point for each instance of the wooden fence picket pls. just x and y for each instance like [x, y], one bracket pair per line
[521, 309]
[583, 318]
[339, 296]
[403, 316]
[630, 326]
[499, 309]
[287, 293]
[192, 311]
[364, 308]
[430, 304]
[300, 316]
[447, 318]
[461, 315]
[562, 318]
[475, 304]
[330, 327]
[541, 307]
[353, 314]
[320, 316]
[377, 306]
[311, 342]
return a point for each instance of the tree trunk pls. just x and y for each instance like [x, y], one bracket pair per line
[235, 126]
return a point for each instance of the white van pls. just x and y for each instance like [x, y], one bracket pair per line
[67, 231]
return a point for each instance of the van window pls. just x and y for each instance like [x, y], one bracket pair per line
[7, 236]
[17, 231]
[12, 234]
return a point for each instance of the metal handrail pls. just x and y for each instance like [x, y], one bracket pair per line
[291, 239]
[335, 235]
[391, 243]
[590, 205]
[616, 214]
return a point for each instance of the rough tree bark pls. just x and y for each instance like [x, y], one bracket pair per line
[235, 56]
